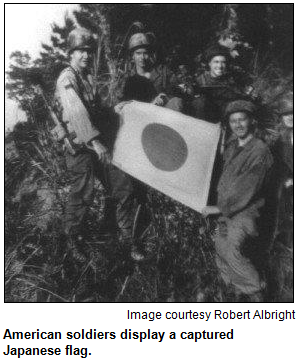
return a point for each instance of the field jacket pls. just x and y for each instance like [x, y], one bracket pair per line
[241, 187]
[140, 88]
[76, 98]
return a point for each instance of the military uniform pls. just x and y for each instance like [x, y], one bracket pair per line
[241, 192]
[285, 195]
[281, 273]
[143, 89]
[80, 110]
[213, 94]
[161, 79]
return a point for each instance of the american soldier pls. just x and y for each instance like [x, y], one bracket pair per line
[215, 87]
[241, 190]
[149, 81]
[281, 272]
[87, 156]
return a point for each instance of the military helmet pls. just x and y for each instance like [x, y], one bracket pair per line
[80, 38]
[216, 50]
[240, 106]
[139, 40]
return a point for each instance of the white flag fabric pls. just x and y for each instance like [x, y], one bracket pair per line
[167, 150]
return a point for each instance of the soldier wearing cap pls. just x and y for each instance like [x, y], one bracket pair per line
[86, 154]
[284, 235]
[285, 142]
[215, 87]
[148, 81]
[241, 190]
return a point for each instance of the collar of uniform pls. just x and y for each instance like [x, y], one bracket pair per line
[231, 139]
[224, 79]
[80, 72]
[250, 143]
[234, 150]
[242, 143]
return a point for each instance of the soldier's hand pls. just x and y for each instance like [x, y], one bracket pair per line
[160, 100]
[189, 90]
[210, 210]
[101, 151]
[118, 108]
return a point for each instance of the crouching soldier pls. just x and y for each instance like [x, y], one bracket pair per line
[241, 190]
[86, 154]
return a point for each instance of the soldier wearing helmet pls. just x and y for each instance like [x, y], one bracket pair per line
[241, 197]
[149, 82]
[215, 87]
[284, 234]
[285, 142]
[83, 118]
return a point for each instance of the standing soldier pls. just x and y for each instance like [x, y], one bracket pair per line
[150, 82]
[282, 249]
[86, 154]
[147, 83]
[241, 191]
[215, 87]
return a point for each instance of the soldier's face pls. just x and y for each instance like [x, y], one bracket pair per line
[141, 58]
[218, 66]
[240, 124]
[81, 58]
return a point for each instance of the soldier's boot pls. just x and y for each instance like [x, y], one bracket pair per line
[128, 220]
[128, 241]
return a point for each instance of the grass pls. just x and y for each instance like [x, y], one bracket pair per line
[39, 267]
[178, 243]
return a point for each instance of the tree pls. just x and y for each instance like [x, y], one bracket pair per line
[36, 177]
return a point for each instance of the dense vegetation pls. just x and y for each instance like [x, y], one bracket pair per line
[180, 264]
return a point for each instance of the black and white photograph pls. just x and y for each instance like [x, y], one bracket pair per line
[149, 153]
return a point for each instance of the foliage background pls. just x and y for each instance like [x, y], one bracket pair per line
[180, 266]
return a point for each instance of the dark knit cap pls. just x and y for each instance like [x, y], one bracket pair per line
[216, 50]
[239, 106]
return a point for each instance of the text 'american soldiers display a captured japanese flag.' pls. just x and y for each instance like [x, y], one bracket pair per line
[167, 150]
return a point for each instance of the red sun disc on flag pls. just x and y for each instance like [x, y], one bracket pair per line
[164, 147]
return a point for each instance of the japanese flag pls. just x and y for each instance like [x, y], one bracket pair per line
[167, 150]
